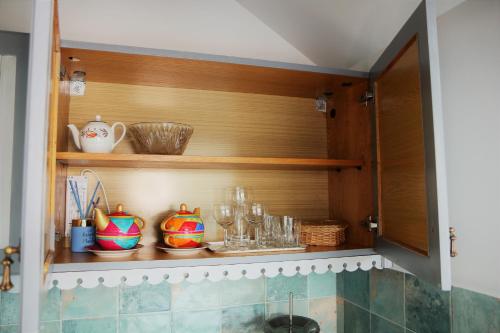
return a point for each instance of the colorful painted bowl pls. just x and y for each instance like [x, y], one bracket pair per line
[117, 231]
[184, 229]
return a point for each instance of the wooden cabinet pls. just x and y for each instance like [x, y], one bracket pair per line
[257, 126]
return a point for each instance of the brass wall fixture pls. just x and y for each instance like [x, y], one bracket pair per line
[7, 261]
[453, 238]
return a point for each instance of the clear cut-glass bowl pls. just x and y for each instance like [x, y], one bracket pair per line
[165, 138]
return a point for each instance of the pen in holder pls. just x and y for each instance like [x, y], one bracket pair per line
[82, 234]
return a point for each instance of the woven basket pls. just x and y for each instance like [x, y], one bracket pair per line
[323, 234]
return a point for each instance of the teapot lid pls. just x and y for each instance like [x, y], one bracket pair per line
[98, 119]
[119, 211]
[183, 210]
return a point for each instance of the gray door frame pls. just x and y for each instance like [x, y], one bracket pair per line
[34, 169]
[436, 267]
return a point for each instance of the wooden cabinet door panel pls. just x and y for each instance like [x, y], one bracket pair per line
[410, 173]
[401, 152]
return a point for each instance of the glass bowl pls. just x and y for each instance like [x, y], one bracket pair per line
[165, 138]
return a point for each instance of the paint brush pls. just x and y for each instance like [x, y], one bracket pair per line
[91, 201]
[75, 197]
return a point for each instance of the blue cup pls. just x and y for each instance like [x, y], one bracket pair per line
[82, 235]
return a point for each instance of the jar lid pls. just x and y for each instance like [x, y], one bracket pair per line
[183, 210]
[119, 211]
[82, 223]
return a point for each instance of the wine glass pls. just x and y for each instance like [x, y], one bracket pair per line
[239, 195]
[224, 215]
[255, 216]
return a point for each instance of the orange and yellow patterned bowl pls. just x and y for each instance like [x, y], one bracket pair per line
[183, 239]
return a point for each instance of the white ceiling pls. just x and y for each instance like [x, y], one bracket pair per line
[348, 34]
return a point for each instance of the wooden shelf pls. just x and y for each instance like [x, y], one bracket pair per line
[201, 162]
[149, 257]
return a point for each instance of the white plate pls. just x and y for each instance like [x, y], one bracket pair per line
[113, 253]
[185, 251]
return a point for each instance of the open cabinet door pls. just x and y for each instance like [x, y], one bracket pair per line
[412, 205]
[35, 247]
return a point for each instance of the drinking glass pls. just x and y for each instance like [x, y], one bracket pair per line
[277, 232]
[239, 195]
[267, 230]
[291, 231]
[297, 227]
[224, 214]
[255, 217]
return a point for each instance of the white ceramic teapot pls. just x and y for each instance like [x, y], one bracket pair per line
[97, 136]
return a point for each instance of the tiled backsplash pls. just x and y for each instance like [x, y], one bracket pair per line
[387, 301]
[377, 301]
[227, 306]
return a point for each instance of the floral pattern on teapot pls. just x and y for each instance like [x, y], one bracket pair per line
[94, 132]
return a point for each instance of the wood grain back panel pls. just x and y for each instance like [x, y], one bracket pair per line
[401, 159]
[152, 193]
[225, 124]
[350, 190]
[114, 67]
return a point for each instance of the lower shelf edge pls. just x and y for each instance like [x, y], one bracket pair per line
[68, 276]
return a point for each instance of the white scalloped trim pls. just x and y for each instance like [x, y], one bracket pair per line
[133, 277]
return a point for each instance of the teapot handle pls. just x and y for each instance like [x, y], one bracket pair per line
[140, 222]
[123, 133]
[162, 225]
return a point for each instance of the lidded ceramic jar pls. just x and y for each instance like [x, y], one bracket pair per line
[184, 229]
[118, 230]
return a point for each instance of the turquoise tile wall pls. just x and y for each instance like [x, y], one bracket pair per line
[377, 301]
[387, 301]
[220, 307]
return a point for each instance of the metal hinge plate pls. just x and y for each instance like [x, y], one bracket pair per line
[371, 223]
[368, 96]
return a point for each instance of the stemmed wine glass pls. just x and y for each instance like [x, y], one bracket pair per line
[255, 216]
[239, 195]
[224, 214]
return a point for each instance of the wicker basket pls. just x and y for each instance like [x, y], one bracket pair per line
[323, 234]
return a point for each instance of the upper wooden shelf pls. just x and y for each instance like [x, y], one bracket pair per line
[163, 71]
[201, 162]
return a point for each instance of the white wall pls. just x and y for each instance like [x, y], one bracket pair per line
[7, 108]
[220, 27]
[17, 45]
[469, 42]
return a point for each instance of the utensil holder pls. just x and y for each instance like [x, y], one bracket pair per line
[82, 235]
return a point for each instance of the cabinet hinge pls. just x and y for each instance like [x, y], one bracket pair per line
[371, 223]
[453, 246]
[367, 97]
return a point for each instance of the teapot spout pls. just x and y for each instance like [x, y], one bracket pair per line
[101, 220]
[74, 132]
